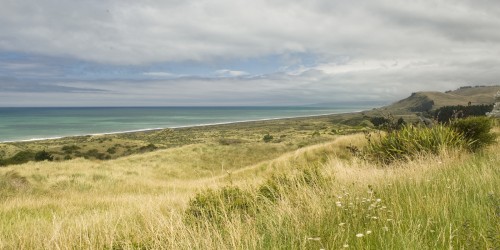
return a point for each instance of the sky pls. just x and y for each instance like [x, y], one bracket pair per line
[240, 52]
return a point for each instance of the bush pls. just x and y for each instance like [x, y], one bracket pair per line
[19, 158]
[148, 148]
[476, 130]
[388, 123]
[447, 113]
[43, 155]
[111, 150]
[218, 206]
[267, 138]
[70, 149]
[379, 121]
[411, 141]
[229, 141]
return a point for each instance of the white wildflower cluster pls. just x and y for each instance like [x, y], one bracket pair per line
[496, 109]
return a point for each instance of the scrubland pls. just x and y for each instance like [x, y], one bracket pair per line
[255, 195]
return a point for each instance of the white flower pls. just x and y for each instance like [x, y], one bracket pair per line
[346, 245]
[360, 235]
[378, 200]
[368, 232]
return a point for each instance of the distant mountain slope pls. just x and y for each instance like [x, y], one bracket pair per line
[425, 101]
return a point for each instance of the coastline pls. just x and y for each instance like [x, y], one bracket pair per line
[182, 127]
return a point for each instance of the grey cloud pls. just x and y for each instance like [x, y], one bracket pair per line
[12, 85]
[457, 21]
[153, 31]
[409, 46]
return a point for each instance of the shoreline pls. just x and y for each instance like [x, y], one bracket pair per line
[180, 127]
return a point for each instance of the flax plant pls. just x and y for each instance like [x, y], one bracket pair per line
[411, 141]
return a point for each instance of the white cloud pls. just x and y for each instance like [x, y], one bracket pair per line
[230, 73]
[159, 74]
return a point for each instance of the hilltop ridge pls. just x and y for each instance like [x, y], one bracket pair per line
[430, 100]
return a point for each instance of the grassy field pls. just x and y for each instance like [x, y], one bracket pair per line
[294, 133]
[300, 191]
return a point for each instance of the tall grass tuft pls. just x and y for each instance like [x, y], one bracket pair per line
[410, 142]
[220, 205]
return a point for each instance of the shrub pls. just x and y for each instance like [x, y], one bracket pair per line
[411, 141]
[19, 158]
[148, 148]
[267, 138]
[447, 113]
[388, 123]
[111, 150]
[218, 206]
[229, 141]
[43, 155]
[476, 130]
[379, 121]
[68, 149]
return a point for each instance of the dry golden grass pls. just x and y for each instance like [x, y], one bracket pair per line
[139, 201]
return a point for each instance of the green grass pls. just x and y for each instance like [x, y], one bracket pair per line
[410, 142]
[291, 132]
[445, 203]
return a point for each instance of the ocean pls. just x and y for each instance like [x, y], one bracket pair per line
[23, 124]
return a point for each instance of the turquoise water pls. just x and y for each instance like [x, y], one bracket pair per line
[18, 124]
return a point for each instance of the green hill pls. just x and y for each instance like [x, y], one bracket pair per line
[427, 101]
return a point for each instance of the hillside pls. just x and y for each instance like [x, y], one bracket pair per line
[425, 101]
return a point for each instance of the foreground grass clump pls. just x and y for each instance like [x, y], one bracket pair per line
[219, 205]
[410, 142]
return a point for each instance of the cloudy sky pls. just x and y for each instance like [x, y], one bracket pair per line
[240, 52]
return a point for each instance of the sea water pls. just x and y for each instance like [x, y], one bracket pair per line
[19, 124]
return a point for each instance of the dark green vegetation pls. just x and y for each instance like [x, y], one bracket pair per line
[447, 113]
[476, 131]
[408, 142]
[26, 156]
